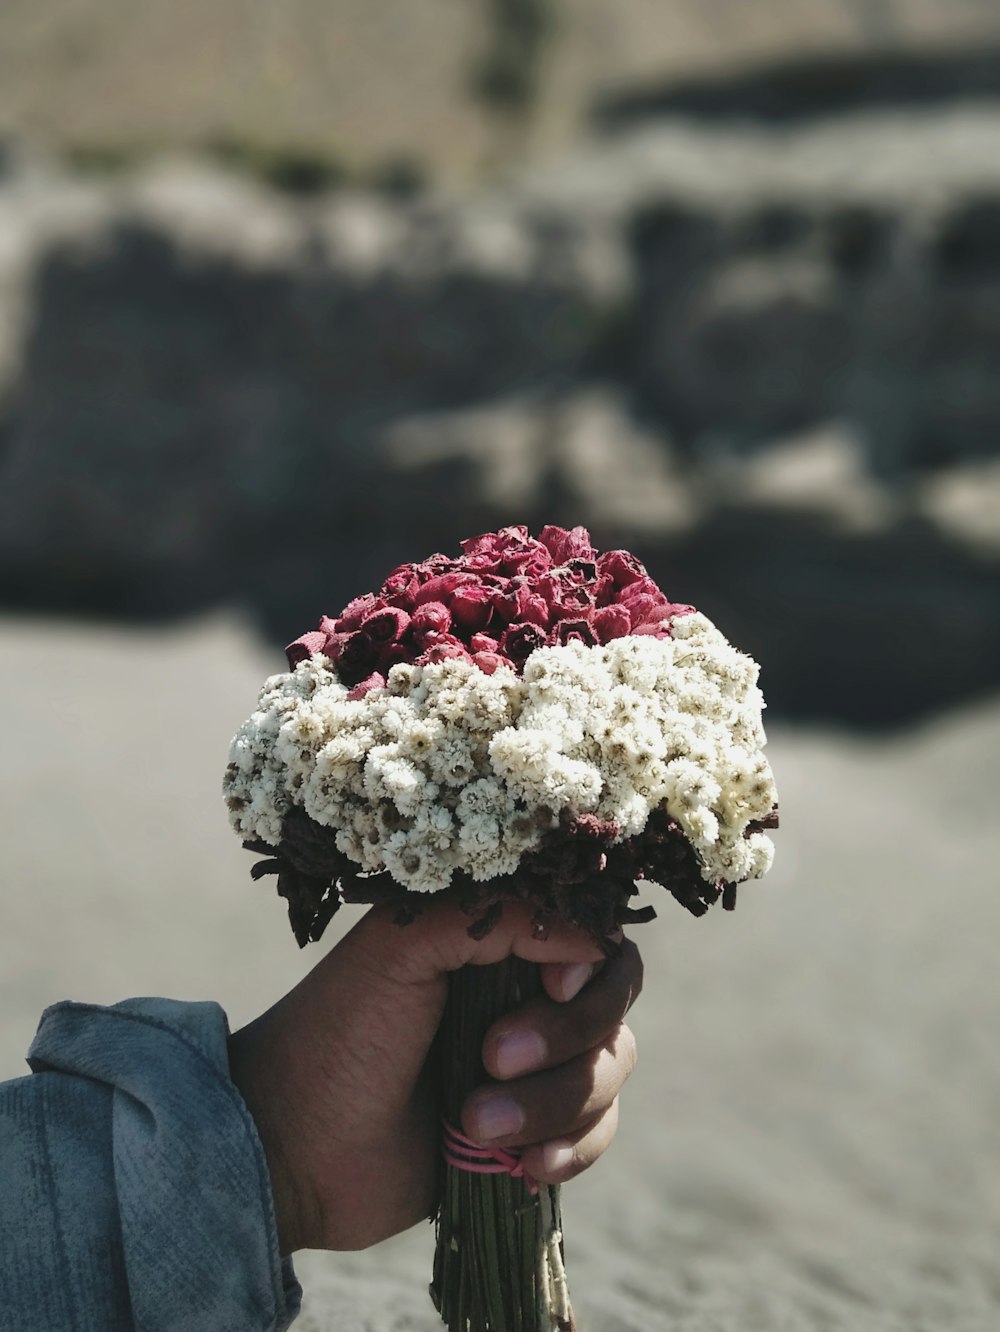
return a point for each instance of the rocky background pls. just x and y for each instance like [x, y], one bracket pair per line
[366, 88]
[760, 352]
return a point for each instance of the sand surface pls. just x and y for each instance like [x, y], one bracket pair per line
[812, 1137]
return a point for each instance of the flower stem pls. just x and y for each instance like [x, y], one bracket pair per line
[498, 1266]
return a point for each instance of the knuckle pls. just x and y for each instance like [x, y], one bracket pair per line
[568, 1164]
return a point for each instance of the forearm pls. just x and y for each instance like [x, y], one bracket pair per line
[133, 1187]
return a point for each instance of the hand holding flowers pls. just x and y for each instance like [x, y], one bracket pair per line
[339, 1079]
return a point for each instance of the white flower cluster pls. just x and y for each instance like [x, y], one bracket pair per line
[450, 768]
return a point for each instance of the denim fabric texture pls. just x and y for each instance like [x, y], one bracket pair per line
[134, 1191]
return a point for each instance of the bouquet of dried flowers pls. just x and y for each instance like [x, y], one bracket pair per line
[530, 720]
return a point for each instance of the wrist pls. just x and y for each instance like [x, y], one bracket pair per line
[257, 1076]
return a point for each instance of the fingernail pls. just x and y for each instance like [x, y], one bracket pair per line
[557, 1157]
[498, 1117]
[574, 978]
[519, 1052]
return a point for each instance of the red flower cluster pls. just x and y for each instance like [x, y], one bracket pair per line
[506, 596]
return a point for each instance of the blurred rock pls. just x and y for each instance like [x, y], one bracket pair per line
[902, 67]
[764, 362]
[573, 452]
[350, 86]
[768, 318]
[821, 473]
[964, 503]
[202, 375]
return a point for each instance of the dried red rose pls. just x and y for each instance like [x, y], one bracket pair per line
[506, 596]
[384, 624]
[566, 545]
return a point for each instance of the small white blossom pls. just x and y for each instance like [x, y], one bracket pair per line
[449, 768]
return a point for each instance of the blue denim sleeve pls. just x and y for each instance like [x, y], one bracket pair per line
[134, 1191]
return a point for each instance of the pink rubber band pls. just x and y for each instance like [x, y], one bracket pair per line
[463, 1154]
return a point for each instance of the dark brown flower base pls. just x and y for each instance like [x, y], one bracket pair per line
[578, 874]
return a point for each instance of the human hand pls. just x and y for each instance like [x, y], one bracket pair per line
[338, 1078]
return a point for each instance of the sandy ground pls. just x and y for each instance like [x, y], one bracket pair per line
[812, 1137]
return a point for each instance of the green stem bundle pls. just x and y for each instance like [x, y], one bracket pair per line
[498, 1266]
